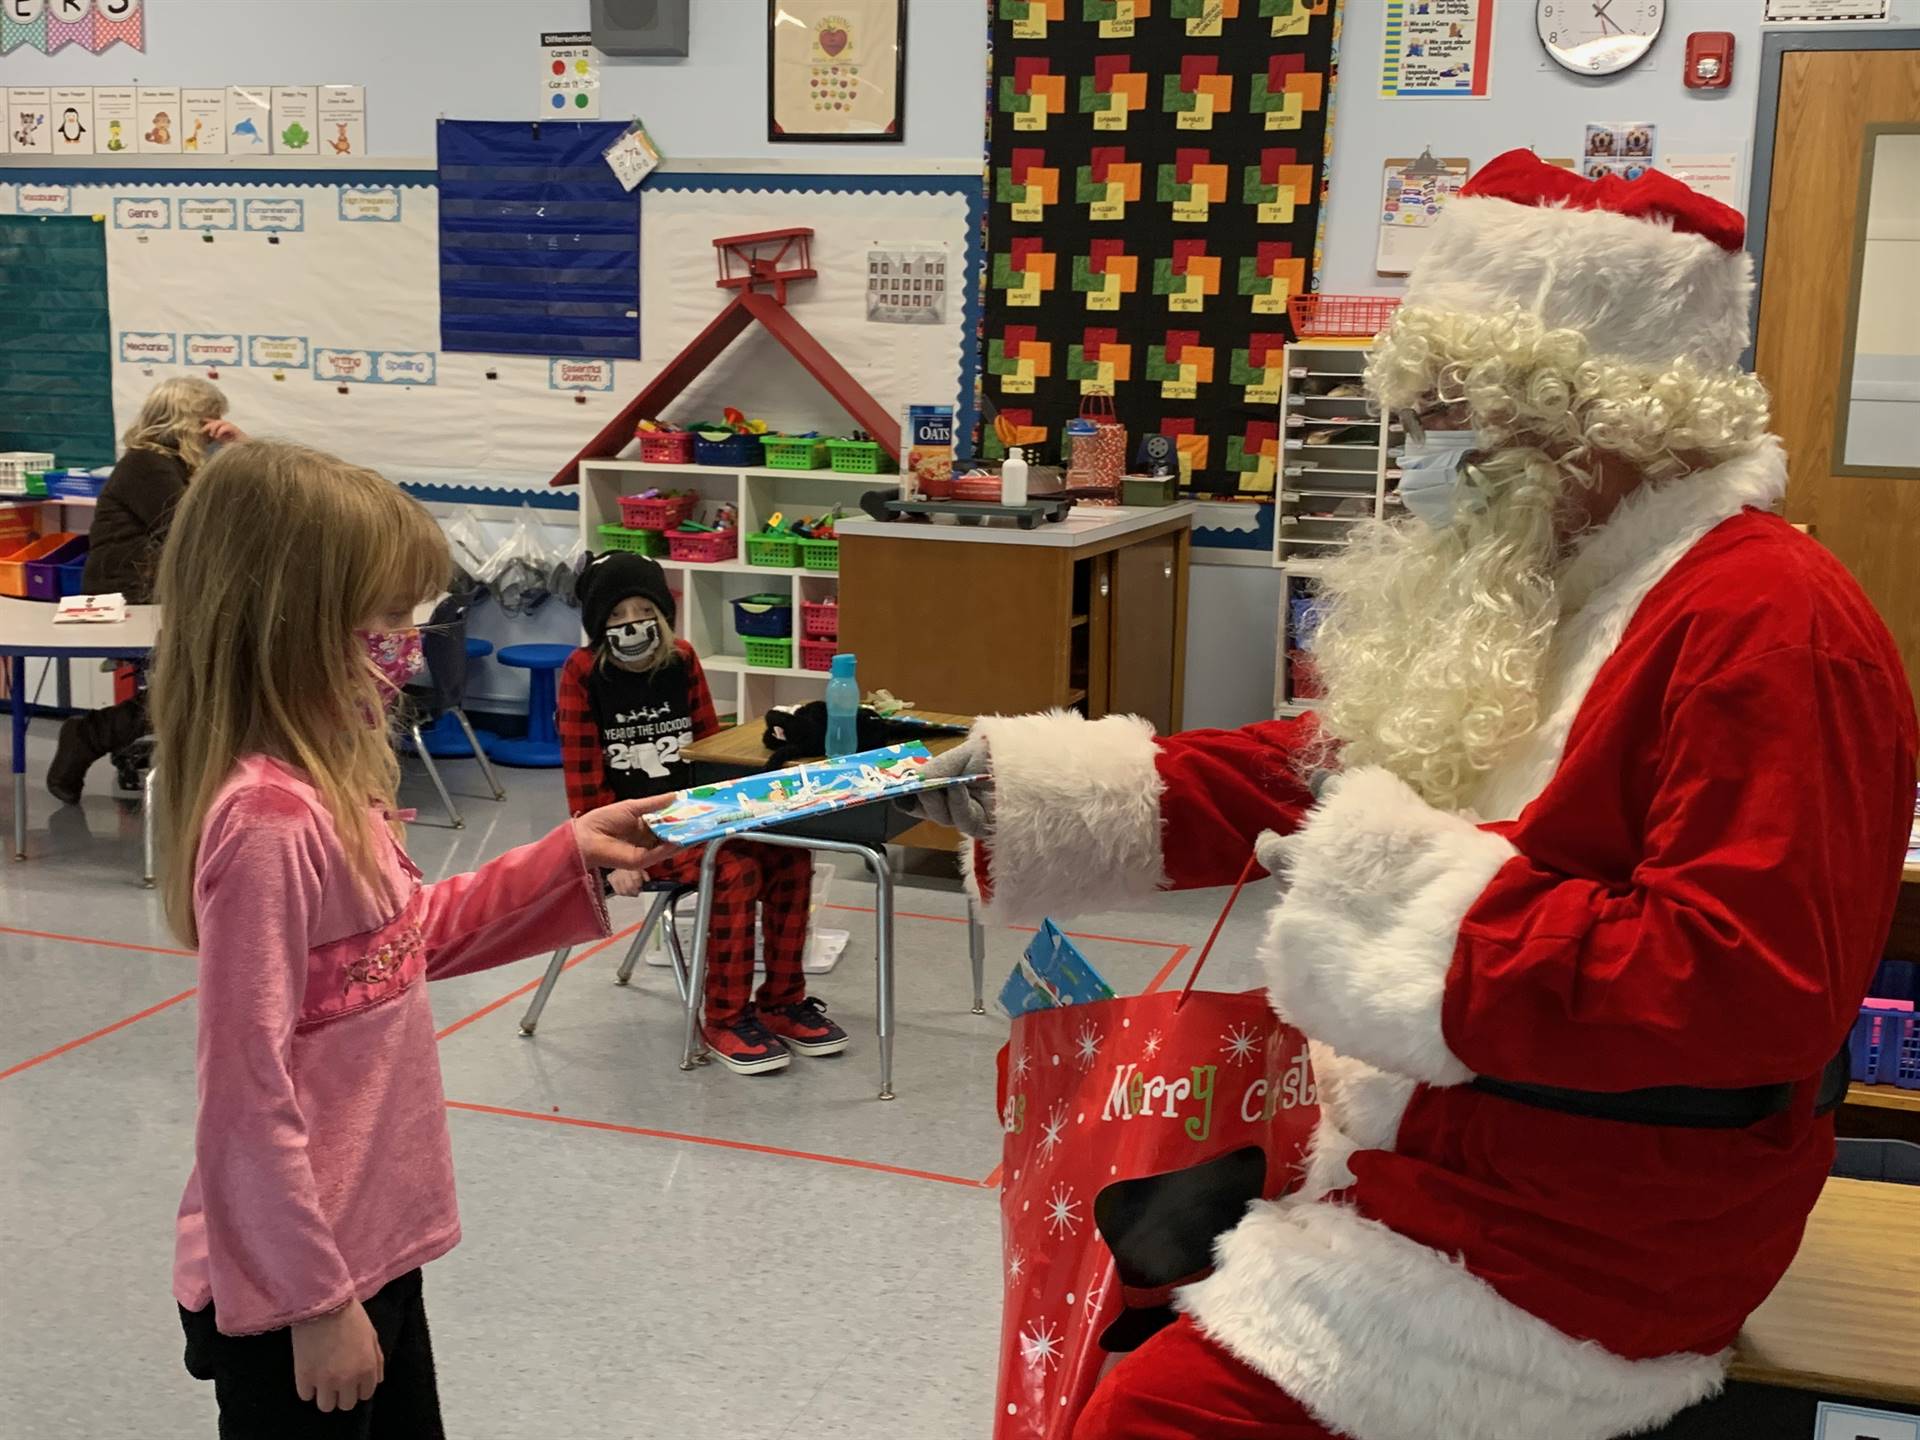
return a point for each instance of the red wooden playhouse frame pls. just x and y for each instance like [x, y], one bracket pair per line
[750, 266]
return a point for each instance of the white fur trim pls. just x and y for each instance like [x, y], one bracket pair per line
[1382, 1338]
[1637, 289]
[1357, 955]
[1360, 1109]
[1602, 586]
[1076, 825]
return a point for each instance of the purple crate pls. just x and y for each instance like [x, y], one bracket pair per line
[43, 575]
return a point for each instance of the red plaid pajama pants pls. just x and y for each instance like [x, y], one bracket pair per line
[780, 880]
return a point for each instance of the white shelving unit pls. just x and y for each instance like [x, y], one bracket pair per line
[1335, 473]
[705, 590]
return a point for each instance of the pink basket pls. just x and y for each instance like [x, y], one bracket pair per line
[820, 622]
[662, 512]
[696, 547]
[817, 654]
[665, 447]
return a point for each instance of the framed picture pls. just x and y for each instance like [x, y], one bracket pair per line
[836, 70]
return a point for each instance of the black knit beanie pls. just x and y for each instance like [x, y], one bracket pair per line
[613, 577]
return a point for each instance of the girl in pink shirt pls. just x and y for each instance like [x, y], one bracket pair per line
[322, 1177]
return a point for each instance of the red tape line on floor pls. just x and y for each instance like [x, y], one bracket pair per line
[92, 940]
[534, 984]
[103, 1030]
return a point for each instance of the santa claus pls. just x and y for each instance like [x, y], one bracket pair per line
[1622, 773]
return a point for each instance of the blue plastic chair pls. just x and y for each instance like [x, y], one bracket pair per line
[539, 749]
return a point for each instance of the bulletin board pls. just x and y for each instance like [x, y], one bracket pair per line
[315, 306]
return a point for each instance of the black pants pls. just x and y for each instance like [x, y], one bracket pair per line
[96, 733]
[252, 1377]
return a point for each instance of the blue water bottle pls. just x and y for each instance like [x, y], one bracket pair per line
[843, 709]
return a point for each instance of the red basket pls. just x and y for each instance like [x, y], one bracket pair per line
[703, 547]
[665, 447]
[662, 512]
[820, 622]
[1353, 316]
[817, 654]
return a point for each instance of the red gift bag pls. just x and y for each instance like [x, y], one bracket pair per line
[1137, 1129]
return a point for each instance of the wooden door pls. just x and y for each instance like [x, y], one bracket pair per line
[1871, 521]
[1144, 602]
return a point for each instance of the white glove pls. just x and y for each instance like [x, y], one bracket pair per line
[967, 808]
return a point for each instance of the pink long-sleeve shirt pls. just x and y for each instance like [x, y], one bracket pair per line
[322, 1167]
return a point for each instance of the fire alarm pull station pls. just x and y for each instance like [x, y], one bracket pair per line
[1709, 60]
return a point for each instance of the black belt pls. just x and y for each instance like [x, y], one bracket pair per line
[1684, 1105]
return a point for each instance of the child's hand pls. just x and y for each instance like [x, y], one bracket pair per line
[336, 1359]
[616, 837]
[628, 883]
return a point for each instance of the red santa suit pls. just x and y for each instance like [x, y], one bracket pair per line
[1683, 877]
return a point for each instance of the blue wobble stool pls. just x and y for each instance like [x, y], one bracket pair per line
[539, 749]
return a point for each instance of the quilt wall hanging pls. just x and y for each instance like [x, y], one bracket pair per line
[1158, 169]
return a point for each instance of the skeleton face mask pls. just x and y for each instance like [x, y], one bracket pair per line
[635, 642]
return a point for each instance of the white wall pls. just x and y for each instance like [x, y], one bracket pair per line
[478, 60]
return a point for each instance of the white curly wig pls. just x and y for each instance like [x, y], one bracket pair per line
[1432, 641]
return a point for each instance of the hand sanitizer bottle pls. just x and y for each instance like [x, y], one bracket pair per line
[1013, 478]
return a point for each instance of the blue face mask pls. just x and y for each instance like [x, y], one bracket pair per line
[1431, 477]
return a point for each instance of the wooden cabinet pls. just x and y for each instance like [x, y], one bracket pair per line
[1089, 614]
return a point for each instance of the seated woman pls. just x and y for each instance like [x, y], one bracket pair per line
[177, 426]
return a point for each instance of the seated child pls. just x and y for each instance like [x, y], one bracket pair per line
[630, 700]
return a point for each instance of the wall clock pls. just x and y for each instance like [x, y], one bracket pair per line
[1598, 37]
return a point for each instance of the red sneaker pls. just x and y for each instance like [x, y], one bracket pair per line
[806, 1028]
[746, 1046]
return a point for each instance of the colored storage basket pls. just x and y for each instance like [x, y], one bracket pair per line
[818, 654]
[43, 575]
[822, 556]
[768, 654]
[634, 542]
[735, 451]
[13, 569]
[16, 465]
[858, 457]
[768, 617]
[1884, 1048]
[703, 547]
[775, 551]
[74, 484]
[72, 579]
[794, 452]
[660, 512]
[665, 447]
[820, 621]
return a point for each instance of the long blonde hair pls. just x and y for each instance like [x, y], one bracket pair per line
[172, 418]
[276, 554]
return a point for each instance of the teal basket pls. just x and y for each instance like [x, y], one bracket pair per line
[634, 542]
[821, 556]
[778, 552]
[795, 452]
[765, 654]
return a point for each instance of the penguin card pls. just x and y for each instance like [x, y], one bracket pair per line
[71, 111]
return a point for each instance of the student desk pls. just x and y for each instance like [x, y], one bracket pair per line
[862, 832]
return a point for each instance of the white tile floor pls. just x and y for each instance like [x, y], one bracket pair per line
[705, 1254]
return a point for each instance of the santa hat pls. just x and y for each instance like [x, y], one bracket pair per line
[1649, 270]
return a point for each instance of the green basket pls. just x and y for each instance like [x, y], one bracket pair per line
[820, 555]
[858, 457]
[634, 542]
[765, 654]
[794, 452]
[778, 552]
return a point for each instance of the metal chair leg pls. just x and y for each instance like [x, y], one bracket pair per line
[146, 828]
[675, 955]
[433, 773]
[883, 969]
[695, 1052]
[977, 956]
[640, 938]
[486, 765]
[547, 982]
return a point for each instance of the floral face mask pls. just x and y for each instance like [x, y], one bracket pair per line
[396, 654]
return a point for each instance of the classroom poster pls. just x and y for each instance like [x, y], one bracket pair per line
[1413, 193]
[569, 76]
[27, 124]
[203, 121]
[249, 119]
[295, 113]
[343, 120]
[1619, 147]
[158, 118]
[1716, 175]
[71, 109]
[1437, 49]
[115, 113]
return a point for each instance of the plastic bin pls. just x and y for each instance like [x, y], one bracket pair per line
[72, 579]
[1347, 316]
[661, 512]
[1896, 980]
[765, 654]
[665, 447]
[43, 575]
[13, 569]
[16, 465]
[1884, 1048]
[820, 556]
[703, 547]
[735, 451]
[1896, 1161]
[768, 617]
[820, 621]
[75, 484]
[634, 542]
[818, 654]
[776, 551]
[858, 457]
[794, 452]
